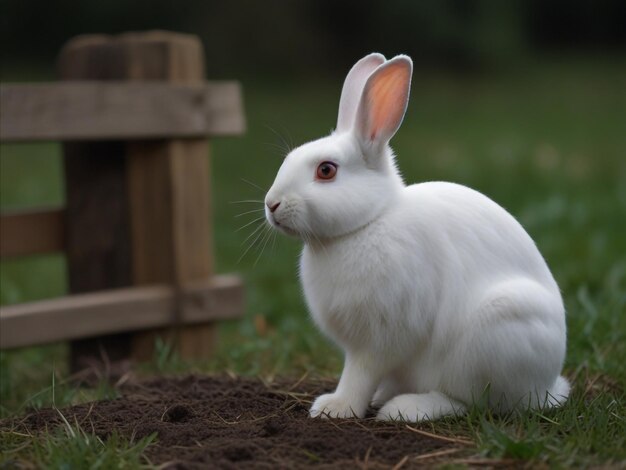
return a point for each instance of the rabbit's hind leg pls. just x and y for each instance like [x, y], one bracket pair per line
[415, 407]
[511, 350]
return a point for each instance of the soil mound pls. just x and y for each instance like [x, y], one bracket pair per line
[222, 422]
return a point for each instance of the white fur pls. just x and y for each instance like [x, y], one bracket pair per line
[436, 294]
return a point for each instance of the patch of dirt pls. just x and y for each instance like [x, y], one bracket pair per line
[226, 423]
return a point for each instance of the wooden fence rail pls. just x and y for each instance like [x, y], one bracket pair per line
[119, 110]
[120, 310]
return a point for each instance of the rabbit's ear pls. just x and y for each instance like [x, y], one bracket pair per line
[353, 87]
[383, 102]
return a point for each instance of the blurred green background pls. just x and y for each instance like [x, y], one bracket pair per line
[522, 100]
[317, 38]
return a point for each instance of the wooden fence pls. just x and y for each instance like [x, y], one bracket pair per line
[134, 114]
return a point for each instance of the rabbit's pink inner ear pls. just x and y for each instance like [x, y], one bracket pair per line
[353, 88]
[387, 97]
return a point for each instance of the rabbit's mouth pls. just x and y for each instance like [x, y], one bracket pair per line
[281, 227]
[287, 230]
[282, 221]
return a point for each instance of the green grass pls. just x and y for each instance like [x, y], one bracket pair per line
[72, 447]
[548, 143]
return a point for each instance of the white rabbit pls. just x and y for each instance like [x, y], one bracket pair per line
[436, 294]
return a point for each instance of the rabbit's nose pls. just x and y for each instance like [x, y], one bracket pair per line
[273, 207]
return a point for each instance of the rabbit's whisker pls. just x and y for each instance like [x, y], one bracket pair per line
[247, 201]
[250, 212]
[287, 147]
[254, 185]
[282, 151]
[250, 223]
[251, 244]
[273, 248]
[266, 238]
[252, 234]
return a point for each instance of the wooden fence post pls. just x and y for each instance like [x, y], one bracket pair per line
[97, 231]
[148, 221]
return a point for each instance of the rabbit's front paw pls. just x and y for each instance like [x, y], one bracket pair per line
[333, 405]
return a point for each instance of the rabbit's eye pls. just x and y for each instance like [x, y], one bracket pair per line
[326, 171]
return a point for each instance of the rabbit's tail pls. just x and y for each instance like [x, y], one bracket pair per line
[559, 392]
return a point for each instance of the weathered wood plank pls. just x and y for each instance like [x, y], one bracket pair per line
[98, 226]
[120, 310]
[83, 110]
[176, 225]
[96, 223]
[32, 232]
